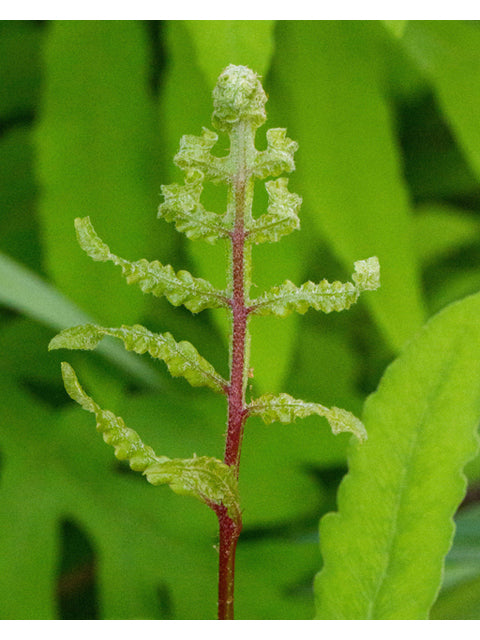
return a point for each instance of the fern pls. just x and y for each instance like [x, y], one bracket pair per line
[239, 110]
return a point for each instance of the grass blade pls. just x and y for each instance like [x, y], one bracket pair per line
[24, 291]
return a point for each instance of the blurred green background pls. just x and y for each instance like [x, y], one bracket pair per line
[387, 116]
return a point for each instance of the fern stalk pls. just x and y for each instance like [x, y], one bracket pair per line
[242, 151]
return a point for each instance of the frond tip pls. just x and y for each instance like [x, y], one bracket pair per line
[238, 96]
[204, 478]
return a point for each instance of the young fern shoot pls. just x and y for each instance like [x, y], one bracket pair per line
[239, 110]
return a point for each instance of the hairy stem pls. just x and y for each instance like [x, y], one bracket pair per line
[240, 197]
[229, 533]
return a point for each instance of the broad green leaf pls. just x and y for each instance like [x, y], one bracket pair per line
[24, 291]
[218, 43]
[284, 408]
[395, 506]
[448, 52]
[18, 224]
[441, 229]
[141, 535]
[396, 27]
[324, 296]
[181, 358]
[348, 169]
[20, 74]
[206, 479]
[281, 217]
[95, 144]
[153, 277]
[459, 598]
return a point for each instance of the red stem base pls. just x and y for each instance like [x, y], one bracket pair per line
[229, 533]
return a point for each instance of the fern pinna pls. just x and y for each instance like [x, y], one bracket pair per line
[239, 110]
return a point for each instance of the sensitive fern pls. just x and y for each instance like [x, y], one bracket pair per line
[239, 109]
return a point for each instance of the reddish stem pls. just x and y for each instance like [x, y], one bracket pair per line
[229, 533]
[237, 411]
[236, 401]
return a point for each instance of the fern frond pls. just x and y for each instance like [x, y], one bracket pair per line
[181, 358]
[284, 408]
[196, 294]
[324, 296]
[204, 478]
[281, 217]
[277, 157]
[182, 206]
[194, 153]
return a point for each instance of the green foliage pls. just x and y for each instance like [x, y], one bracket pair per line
[397, 502]
[26, 292]
[348, 170]
[247, 42]
[19, 73]
[76, 145]
[126, 442]
[453, 70]
[90, 116]
[239, 102]
[281, 217]
[182, 206]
